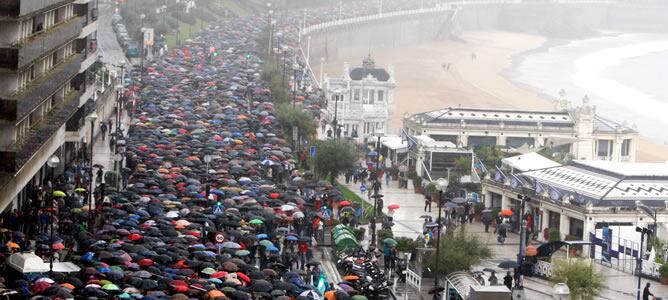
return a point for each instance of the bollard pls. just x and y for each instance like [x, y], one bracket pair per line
[560, 291]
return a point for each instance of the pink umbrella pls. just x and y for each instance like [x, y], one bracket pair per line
[393, 206]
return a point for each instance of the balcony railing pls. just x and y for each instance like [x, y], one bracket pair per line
[16, 106]
[36, 46]
[41, 132]
[15, 8]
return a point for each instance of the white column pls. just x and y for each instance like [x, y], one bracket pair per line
[308, 49]
[505, 202]
[501, 140]
[564, 225]
[322, 70]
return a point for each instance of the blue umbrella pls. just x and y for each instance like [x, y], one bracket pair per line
[262, 236]
[272, 248]
[291, 238]
[372, 154]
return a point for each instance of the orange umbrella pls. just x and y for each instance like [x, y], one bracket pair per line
[506, 212]
[531, 250]
[329, 295]
[12, 245]
[58, 246]
[351, 277]
[215, 294]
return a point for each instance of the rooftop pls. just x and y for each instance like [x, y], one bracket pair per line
[369, 68]
[528, 162]
[498, 115]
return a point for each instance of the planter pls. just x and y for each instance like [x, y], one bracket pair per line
[417, 189]
[478, 218]
[573, 252]
[664, 280]
[395, 177]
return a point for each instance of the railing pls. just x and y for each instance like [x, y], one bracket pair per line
[44, 42]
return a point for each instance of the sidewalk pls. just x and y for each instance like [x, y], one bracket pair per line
[618, 285]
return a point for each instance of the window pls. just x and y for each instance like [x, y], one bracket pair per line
[372, 95]
[379, 125]
[22, 129]
[356, 95]
[381, 96]
[49, 20]
[604, 148]
[626, 147]
[26, 29]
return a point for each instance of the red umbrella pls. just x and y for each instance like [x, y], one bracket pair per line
[218, 274]
[274, 195]
[134, 237]
[344, 203]
[145, 262]
[58, 246]
[393, 206]
[243, 277]
[40, 287]
[506, 212]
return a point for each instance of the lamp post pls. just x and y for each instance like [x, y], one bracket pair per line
[52, 162]
[335, 121]
[520, 253]
[91, 118]
[442, 186]
[119, 107]
[118, 160]
[295, 68]
[271, 30]
[207, 160]
[376, 188]
[643, 231]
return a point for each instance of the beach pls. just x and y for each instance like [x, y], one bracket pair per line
[478, 76]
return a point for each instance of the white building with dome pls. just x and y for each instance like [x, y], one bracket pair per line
[361, 100]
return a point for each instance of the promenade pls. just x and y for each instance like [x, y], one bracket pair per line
[618, 285]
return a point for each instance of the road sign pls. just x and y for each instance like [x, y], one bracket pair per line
[362, 188]
[220, 238]
[217, 210]
[311, 151]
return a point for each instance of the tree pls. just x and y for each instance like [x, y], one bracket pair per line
[580, 276]
[459, 252]
[289, 117]
[333, 157]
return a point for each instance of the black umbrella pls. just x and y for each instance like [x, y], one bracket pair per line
[508, 264]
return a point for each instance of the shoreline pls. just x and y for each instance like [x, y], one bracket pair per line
[484, 82]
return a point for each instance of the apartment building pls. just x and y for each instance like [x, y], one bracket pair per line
[48, 49]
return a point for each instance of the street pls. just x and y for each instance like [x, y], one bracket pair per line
[110, 51]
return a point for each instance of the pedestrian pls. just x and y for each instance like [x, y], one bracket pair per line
[508, 281]
[492, 279]
[388, 179]
[103, 130]
[498, 220]
[503, 234]
[471, 213]
[486, 220]
[646, 293]
[427, 203]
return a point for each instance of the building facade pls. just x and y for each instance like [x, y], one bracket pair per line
[578, 131]
[48, 50]
[579, 199]
[362, 100]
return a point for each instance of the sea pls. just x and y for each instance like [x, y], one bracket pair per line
[624, 74]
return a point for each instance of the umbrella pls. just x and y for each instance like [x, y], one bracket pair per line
[310, 294]
[260, 286]
[390, 241]
[508, 264]
[393, 206]
[506, 212]
[230, 245]
[59, 194]
[458, 200]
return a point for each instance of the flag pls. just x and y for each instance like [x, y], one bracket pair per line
[539, 188]
[409, 139]
[515, 182]
[554, 193]
[499, 176]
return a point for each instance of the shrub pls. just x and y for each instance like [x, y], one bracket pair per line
[479, 207]
[554, 235]
[580, 276]
[664, 270]
[383, 234]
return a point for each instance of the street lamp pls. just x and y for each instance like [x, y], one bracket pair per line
[119, 107]
[295, 68]
[207, 160]
[442, 187]
[118, 160]
[520, 253]
[643, 231]
[375, 187]
[91, 118]
[53, 162]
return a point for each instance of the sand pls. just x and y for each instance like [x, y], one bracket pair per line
[425, 83]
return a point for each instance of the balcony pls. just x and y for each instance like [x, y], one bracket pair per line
[34, 47]
[16, 106]
[15, 8]
[43, 131]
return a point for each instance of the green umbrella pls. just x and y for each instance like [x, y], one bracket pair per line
[266, 243]
[79, 190]
[242, 252]
[208, 271]
[110, 287]
[358, 297]
[59, 194]
[255, 222]
[390, 241]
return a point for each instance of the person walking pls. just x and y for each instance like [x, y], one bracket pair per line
[486, 220]
[427, 203]
[646, 293]
[103, 130]
[492, 279]
[508, 281]
[388, 178]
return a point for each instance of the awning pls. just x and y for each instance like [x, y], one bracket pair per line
[27, 263]
[65, 267]
[394, 143]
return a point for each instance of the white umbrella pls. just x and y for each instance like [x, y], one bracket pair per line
[27, 263]
[310, 294]
[286, 207]
[298, 215]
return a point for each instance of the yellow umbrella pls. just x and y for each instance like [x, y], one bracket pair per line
[59, 194]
